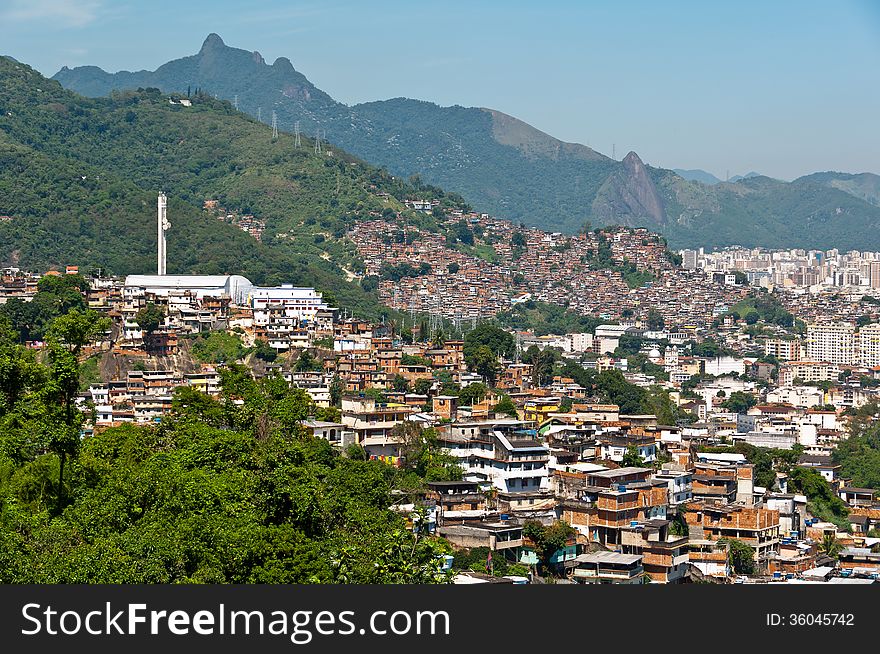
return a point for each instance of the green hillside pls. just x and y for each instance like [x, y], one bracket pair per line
[79, 179]
[510, 169]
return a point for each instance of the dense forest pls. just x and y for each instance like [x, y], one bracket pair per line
[229, 490]
[79, 179]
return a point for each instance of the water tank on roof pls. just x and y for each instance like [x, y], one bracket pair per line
[505, 517]
[633, 523]
[621, 487]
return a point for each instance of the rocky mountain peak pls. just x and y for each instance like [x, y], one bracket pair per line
[213, 42]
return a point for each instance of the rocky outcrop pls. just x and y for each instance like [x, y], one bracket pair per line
[629, 196]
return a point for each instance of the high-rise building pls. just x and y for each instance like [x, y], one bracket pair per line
[831, 342]
[869, 345]
[782, 349]
[874, 274]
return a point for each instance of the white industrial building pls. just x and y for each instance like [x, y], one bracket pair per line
[234, 287]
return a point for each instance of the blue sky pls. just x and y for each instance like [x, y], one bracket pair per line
[784, 88]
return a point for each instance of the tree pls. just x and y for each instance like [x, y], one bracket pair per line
[218, 347]
[399, 384]
[472, 393]
[548, 540]
[149, 318]
[529, 355]
[739, 402]
[485, 364]
[423, 386]
[439, 339]
[654, 320]
[307, 363]
[422, 454]
[740, 556]
[506, 407]
[822, 501]
[632, 458]
[264, 351]
[336, 389]
[542, 367]
[500, 342]
[62, 419]
[830, 546]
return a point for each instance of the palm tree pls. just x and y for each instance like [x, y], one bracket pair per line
[830, 546]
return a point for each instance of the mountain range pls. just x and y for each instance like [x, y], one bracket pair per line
[79, 179]
[697, 175]
[506, 167]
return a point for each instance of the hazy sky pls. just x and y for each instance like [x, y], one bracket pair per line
[782, 87]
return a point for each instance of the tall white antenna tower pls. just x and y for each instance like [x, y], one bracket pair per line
[163, 226]
[259, 114]
[235, 101]
[318, 142]
[614, 151]
[296, 141]
[274, 125]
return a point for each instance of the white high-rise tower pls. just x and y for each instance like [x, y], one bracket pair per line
[163, 226]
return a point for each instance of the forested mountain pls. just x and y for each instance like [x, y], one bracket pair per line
[79, 179]
[697, 175]
[508, 168]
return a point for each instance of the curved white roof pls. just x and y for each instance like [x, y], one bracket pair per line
[234, 286]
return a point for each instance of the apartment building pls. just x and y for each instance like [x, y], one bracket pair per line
[782, 349]
[807, 371]
[757, 527]
[831, 342]
[372, 422]
[869, 346]
[665, 556]
[502, 452]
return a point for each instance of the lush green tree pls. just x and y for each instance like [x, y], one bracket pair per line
[264, 351]
[500, 342]
[422, 453]
[472, 394]
[654, 319]
[307, 363]
[484, 362]
[632, 458]
[830, 546]
[149, 318]
[218, 347]
[739, 402]
[822, 502]
[506, 407]
[548, 540]
[400, 384]
[423, 386]
[740, 556]
[336, 389]
[542, 366]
